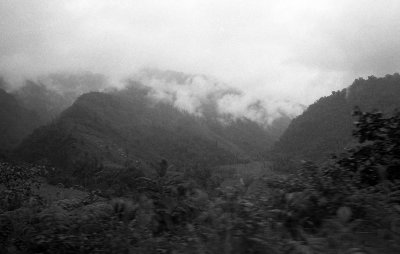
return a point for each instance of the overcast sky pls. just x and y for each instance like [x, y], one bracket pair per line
[299, 50]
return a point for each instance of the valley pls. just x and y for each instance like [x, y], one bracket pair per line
[121, 162]
[199, 127]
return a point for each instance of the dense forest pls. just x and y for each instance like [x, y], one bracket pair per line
[117, 172]
[341, 207]
[125, 127]
[199, 127]
[36, 103]
[326, 126]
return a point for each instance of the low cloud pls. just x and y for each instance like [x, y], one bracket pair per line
[201, 95]
[277, 53]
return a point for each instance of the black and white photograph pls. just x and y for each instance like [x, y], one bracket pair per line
[199, 127]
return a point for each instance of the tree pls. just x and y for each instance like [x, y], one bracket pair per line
[377, 157]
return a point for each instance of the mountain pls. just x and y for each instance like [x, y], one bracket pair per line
[16, 122]
[209, 97]
[129, 127]
[279, 125]
[52, 94]
[46, 103]
[326, 126]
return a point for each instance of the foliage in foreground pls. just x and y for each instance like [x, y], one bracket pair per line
[334, 208]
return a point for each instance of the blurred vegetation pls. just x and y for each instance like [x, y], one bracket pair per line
[350, 204]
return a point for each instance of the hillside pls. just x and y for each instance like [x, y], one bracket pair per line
[46, 103]
[128, 128]
[16, 121]
[51, 94]
[326, 126]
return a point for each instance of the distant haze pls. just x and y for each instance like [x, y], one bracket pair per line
[279, 54]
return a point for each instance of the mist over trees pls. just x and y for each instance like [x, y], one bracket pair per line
[125, 126]
[199, 127]
[326, 126]
[184, 212]
[127, 169]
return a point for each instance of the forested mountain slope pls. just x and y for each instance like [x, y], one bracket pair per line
[326, 126]
[36, 103]
[16, 122]
[127, 127]
[46, 103]
[48, 96]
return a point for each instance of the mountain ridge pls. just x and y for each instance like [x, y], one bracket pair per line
[16, 121]
[126, 126]
[326, 126]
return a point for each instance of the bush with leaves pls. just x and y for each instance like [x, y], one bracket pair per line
[377, 157]
[17, 184]
[353, 198]
[326, 208]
